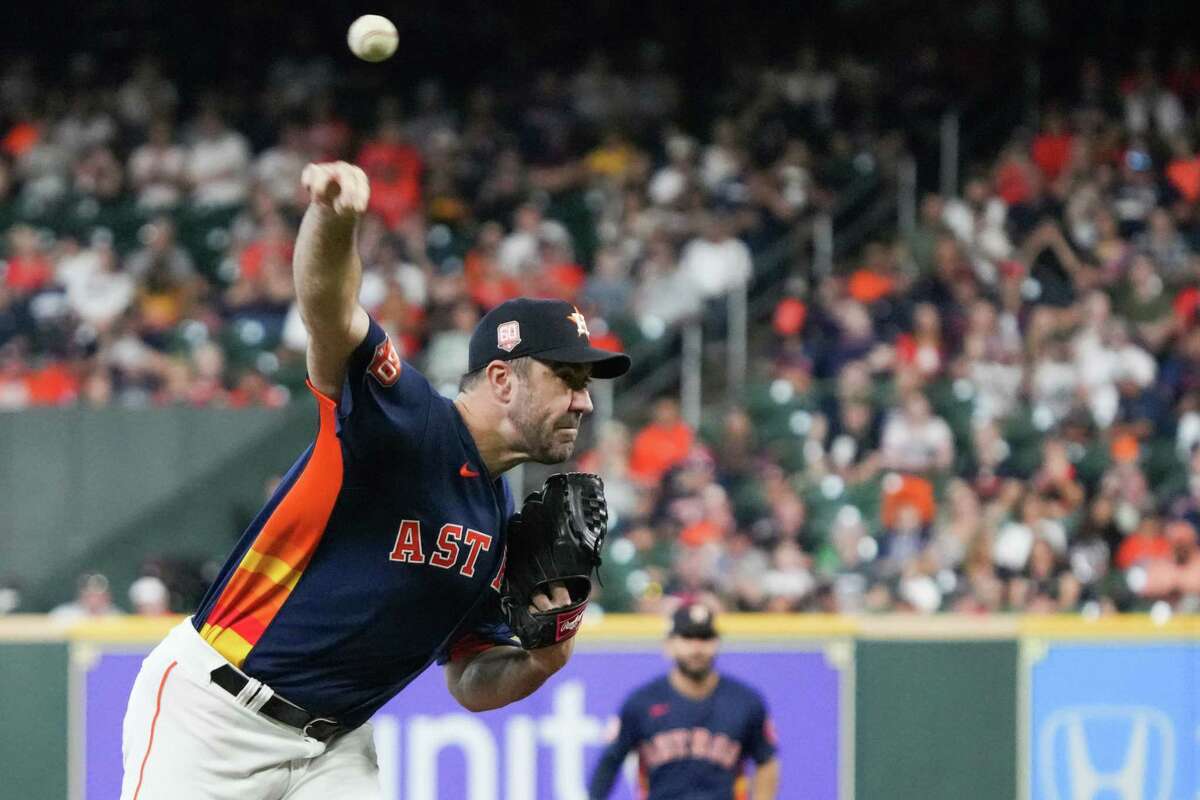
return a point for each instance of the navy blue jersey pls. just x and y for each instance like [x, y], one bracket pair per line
[380, 552]
[688, 749]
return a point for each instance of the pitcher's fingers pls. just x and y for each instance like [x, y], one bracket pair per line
[560, 595]
[353, 197]
[362, 186]
[343, 203]
[324, 186]
[314, 177]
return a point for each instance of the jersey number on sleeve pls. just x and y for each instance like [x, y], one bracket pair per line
[385, 366]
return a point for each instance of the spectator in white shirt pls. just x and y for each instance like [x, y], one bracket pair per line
[978, 221]
[717, 261]
[721, 159]
[1056, 382]
[1102, 363]
[915, 439]
[447, 354]
[158, 169]
[145, 95]
[673, 179]
[86, 125]
[150, 597]
[519, 250]
[217, 162]
[93, 599]
[1150, 104]
[278, 168]
[664, 295]
[97, 290]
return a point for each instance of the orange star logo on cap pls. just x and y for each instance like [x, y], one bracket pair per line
[580, 323]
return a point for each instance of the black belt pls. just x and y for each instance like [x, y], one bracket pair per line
[320, 728]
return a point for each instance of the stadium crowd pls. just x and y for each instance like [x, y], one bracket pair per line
[147, 241]
[998, 410]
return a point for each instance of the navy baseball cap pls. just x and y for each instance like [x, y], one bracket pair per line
[549, 330]
[693, 621]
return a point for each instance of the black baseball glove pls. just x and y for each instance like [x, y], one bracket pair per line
[556, 536]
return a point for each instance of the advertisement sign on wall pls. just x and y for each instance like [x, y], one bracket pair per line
[543, 747]
[1119, 721]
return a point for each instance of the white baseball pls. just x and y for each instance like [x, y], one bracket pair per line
[372, 37]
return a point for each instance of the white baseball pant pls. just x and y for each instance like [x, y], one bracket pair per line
[185, 738]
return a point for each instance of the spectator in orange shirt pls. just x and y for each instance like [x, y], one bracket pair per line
[1174, 566]
[923, 348]
[1052, 147]
[394, 167]
[487, 284]
[22, 136]
[559, 276]
[28, 268]
[662, 444]
[263, 290]
[52, 385]
[875, 279]
[1184, 169]
[907, 491]
[790, 313]
[1145, 544]
[272, 244]
[1015, 179]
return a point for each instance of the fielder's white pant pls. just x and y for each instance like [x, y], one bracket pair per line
[185, 738]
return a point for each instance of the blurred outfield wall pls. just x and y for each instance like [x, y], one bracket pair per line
[100, 489]
[877, 708]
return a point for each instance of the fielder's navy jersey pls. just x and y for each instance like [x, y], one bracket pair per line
[688, 749]
[381, 550]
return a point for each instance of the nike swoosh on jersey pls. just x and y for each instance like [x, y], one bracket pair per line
[466, 471]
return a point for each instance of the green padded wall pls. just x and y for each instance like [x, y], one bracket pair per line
[936, 720]
[99, 489]
[33, 720]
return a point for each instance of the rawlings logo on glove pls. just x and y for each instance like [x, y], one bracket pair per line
[568, 623]
[556, 537]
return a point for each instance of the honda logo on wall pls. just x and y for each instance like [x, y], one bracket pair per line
[1102, 752]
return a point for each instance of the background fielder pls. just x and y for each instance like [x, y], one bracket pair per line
[693, 729]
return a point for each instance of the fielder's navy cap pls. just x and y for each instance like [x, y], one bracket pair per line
[550, 330]
[693, 621]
